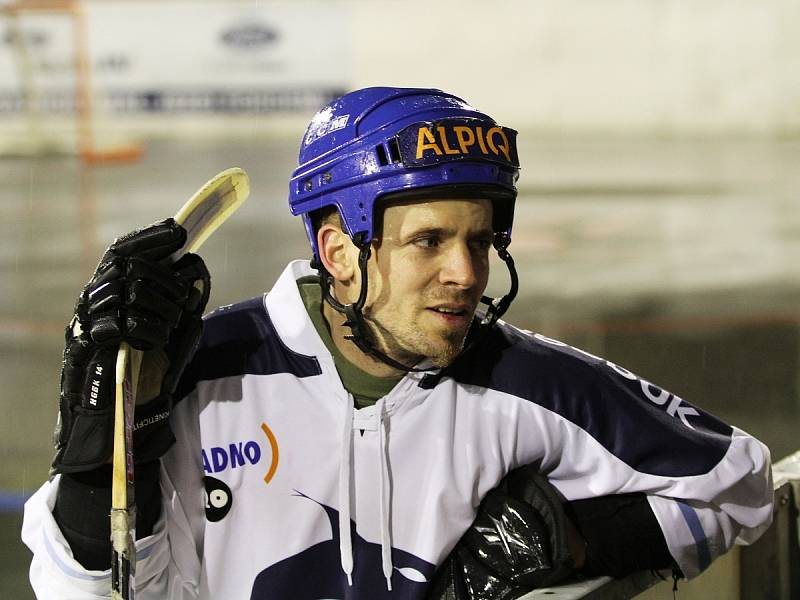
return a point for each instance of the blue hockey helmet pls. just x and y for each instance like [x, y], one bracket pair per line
[381, 140]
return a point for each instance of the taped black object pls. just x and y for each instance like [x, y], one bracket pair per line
[517, 543]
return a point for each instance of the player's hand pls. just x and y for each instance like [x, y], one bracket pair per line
[133, 295]
[138, 296]
[519, 541]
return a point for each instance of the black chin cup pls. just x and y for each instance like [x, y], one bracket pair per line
[354, 318]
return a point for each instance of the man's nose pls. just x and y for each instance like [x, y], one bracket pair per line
[459, 267]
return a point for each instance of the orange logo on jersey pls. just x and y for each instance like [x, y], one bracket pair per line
[273, 444]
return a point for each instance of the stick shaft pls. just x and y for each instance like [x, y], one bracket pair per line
[206, 210]
[123, 500]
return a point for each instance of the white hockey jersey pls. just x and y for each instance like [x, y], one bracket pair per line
[277, 488]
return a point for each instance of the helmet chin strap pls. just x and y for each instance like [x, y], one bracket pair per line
[498, 306]
[354, 317]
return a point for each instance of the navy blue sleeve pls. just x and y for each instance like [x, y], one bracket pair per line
[650, 429]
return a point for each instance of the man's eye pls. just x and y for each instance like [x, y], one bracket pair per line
[427, 242]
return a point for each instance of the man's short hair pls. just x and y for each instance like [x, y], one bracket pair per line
[326, 214]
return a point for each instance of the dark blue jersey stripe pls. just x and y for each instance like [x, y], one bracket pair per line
[649, 436]
[240, 339]
[699, 535]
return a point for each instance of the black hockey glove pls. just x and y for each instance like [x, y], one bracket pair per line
[517, 543]
[136, 296]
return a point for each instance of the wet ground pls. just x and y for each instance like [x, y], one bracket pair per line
[677, 260]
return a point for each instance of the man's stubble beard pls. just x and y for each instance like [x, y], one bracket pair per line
[409, 344]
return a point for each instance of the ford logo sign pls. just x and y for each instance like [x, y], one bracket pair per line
[249, 36]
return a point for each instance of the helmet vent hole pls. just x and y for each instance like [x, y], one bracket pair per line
[394, 150]
[381, 152]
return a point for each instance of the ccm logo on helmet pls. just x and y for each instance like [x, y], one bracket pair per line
[451, 139]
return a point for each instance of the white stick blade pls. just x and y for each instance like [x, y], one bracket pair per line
[211, 206]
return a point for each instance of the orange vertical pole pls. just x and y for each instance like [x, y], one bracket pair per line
[83, 83]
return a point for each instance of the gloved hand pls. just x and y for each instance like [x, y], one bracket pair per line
[517, 543]
[138, 296]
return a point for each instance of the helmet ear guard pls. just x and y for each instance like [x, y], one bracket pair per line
[381, 145]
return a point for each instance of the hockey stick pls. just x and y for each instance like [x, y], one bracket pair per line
[202, 214]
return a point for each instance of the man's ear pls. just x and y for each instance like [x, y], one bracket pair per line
[336, 251]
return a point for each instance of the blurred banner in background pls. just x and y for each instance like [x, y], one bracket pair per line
[184, 57]
[168, 59]
[611, 67]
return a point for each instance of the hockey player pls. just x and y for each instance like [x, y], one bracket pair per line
[337, 436]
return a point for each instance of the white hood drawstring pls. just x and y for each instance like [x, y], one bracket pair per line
[386, 542]
[345, 541]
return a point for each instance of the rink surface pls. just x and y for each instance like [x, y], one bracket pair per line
[676, 260]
